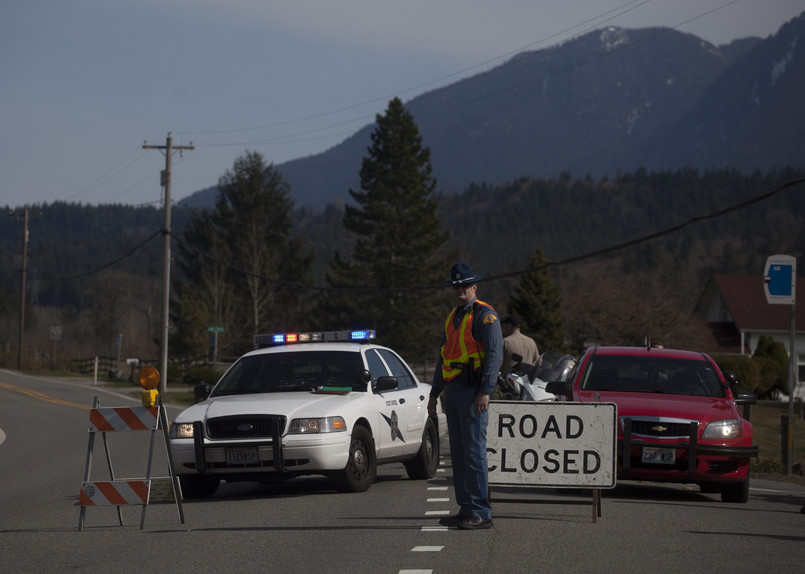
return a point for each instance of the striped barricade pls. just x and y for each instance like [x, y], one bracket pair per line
[115, 492]
[112, 419]
[132, 491]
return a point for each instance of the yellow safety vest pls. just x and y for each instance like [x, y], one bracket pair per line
[461, 348]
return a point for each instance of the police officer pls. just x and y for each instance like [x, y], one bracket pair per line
[471, 354]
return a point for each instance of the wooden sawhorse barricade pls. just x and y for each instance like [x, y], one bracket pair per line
[131, 491]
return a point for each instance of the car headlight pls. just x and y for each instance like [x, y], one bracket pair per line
[181, 430]
[317, 425]
[728, 428]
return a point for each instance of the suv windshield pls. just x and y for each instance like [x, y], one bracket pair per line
[652, 375]
[298, 371]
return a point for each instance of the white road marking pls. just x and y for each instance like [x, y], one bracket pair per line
[427, 548]
[438, 500]
[437, 512]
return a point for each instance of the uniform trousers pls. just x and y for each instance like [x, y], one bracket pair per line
[467, 435]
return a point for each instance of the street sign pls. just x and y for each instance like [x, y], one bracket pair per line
[552, 444]
[55, 332]
[215, 329]
[780, 279]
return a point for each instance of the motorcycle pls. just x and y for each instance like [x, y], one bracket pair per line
[527, 382]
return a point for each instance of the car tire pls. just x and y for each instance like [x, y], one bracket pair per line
[196, 486]
[424, 464]
[736, 491]
[361, 469]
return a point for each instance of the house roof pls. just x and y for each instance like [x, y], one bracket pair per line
[744, 297]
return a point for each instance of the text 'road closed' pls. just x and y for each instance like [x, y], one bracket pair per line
[552, 444]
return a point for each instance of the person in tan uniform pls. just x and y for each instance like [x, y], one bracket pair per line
[515, 343]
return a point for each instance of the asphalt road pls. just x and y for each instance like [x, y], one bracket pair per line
[303, 525]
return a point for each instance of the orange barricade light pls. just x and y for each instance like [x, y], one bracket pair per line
[149, 381]
[148, 377]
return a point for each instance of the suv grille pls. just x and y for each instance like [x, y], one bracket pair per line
[244, 426]
[660, 429]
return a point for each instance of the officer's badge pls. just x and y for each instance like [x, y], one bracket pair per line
[490, 318]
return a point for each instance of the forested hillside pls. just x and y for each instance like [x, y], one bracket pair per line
[100, 266]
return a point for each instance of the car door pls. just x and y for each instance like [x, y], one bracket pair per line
[410, 401]
[392, 409]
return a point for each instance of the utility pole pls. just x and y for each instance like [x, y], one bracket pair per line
[22, 288]
[166, 257]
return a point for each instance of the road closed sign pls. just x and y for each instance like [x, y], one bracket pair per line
[557, 444]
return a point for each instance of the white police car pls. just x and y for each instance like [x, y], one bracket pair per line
[329, 403]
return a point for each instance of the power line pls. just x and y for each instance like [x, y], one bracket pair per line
[105, 265]
[567, 261]
[590, 24]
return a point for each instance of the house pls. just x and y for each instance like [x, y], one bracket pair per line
[737, 314]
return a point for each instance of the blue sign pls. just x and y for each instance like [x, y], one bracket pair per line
[780, 279]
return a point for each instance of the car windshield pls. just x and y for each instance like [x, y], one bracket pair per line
[298, 371]
[652, 375]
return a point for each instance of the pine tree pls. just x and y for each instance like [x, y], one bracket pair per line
[536, 300]
[250, 236]
[398, 242]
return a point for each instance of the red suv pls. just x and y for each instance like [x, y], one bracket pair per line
[678, 418]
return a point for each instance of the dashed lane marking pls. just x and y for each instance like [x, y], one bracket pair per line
[427, 548]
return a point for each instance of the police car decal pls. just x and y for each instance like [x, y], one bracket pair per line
[394, 423]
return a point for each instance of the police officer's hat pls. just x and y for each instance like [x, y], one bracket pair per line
[462, 274]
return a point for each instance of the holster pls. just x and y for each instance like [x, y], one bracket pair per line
[469, 377]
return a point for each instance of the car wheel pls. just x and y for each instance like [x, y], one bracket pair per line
[423, 465]
[196, 486]
[736, 491]
[361, 469]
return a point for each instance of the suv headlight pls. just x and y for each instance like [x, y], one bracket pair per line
[728, 428]
[317, 425]
[181, 430]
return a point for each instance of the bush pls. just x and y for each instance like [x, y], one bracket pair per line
[744, 368]
[761, 374]
[196, 375]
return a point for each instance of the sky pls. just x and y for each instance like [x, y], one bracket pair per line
[85, 83]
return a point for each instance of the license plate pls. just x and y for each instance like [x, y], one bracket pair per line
[241, 456]
[659, 455]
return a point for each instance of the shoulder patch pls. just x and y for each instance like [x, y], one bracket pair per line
[490, 318]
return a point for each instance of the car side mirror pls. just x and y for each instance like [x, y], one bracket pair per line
[364, 377]
[202, 391]
[385, 384]
[558, 388]
[731, 377]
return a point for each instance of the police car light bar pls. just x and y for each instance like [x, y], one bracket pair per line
[261, 341]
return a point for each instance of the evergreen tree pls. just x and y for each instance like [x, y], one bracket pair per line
[539, 305]
[398, 242]
[243, 256]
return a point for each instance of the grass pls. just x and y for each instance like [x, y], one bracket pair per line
[768, 436]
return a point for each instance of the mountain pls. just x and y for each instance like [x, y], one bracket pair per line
[610, 101]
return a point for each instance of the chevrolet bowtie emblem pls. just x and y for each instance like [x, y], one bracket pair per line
[659, 428]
